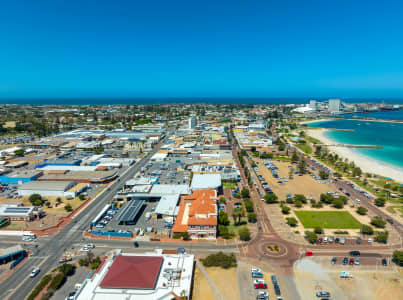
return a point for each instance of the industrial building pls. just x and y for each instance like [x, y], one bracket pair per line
[18, 213]
[51, 188]
[19, 177]
[80, 176]
[147, 276]
[206, 182]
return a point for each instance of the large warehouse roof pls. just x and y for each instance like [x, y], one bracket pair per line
[135, 272]
[130, 212]
[167, 204]
[46, 185]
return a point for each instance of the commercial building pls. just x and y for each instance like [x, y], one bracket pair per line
[20, 177]
[17, 213]
[313, 105]
[198, 215]
[80, 176]
[206, 182]
[50, 188]
[192, 122]
[147, 276]
[334, 105]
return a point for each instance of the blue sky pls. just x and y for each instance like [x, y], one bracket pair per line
[204, 48]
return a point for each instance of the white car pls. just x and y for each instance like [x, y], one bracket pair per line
[89, 246]
[85, 249]
[34, 272]
[255, 271]
[325, 239]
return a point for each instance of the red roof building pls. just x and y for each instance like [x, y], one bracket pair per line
[133, 272]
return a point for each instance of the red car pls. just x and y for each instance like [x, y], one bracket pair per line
[351, 261]
[260, 285]
[308, 253]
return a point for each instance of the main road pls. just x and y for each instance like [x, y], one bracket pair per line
[18, 285]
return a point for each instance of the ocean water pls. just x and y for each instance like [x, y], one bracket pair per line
[387, 135]
[386, 115]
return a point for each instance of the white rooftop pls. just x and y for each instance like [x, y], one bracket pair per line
[167, 205]
[206, 181]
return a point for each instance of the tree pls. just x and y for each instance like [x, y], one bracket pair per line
[285, 210]
[224, 232]
[222, 200]
[253, 149]
[237, 215]
[252, 217]
[380, 202]
[186, 236]
[362, 210]
[37, 202]
[81, 197]
[337, 203]
[245, 193]
[294, 156]
[311, 236]
[366, 229]
[68, 208]
[244, 234]
[67, 269]
[292, 222]
[378, 222]
[382, 236]
[223, 218]
[302, 166]
[398, 257]
[19, 152]
[323, 175]
[35, 197]
[83, 262]
[318, 230]
[270, 198]
[298, 203]
[300, 197]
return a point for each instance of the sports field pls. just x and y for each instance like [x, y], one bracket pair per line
[328, 219]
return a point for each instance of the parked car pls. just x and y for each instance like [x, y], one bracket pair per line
[351, 261]
[262, 296]
[71, 296]
[342, 240]
[331, 239]
[322, 294]
[345, 261]
[34, 272]
[384, 262]
[334, 259]
[355, 253]
[257, 275]
[259, 284]
[308, 253]
[274, 279]
[255, 270]
[357, 261]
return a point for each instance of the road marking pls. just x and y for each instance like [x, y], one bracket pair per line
[25, 279]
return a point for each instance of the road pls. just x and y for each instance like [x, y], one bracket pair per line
[50, 249]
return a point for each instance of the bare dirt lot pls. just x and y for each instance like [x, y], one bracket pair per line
[313, 275]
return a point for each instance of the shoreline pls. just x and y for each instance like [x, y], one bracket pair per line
[315, 121]
[367, 164]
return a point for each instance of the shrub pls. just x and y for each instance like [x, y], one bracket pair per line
[292, 222]
[380, 202]
[248, 205]
[252, 217]
[57, 282]
[311, 236]
[298, 203]
[300, 197]
[285, 210]
[289, 200]
[341, 232]
[186, 236]
[177, 235]
[382, 236]
[39, 287]
[318, 230]
[67, 269]
[378, 222]
[47, 295]
[244, 234]
[338, 203]
[270, 198]
[362, 210]
[220, 259]
[366, 229]
[68, 208]
[224, 232]
[398, 257]
[83, 262]
[222, 200]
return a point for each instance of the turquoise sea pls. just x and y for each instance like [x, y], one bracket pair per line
[387, 135]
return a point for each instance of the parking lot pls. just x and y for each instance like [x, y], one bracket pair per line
[170, 171]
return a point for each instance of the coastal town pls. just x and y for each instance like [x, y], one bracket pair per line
[197, 201]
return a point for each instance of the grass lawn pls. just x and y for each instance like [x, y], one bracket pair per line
[395, 209]
[304, 147]
[284, 158]
[229, 185]
[328, 219]
[312, 140]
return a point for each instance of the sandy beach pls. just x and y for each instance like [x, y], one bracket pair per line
[367, 164]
